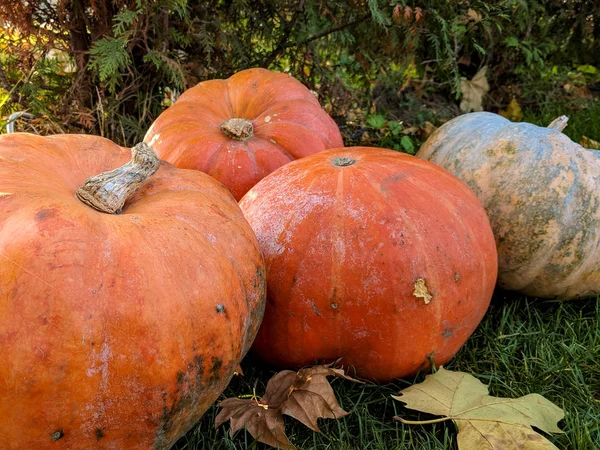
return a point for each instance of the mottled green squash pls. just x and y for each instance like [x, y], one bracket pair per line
[540, 190]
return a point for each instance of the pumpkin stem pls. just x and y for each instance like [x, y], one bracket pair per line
[108, 191]
[343, 161]
[238, 129]
[559, 123]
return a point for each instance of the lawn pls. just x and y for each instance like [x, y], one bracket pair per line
[522, 346]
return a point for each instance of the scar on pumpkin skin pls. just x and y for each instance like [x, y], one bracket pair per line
[421, 290]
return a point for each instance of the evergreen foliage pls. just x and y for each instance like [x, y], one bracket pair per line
[132, 57]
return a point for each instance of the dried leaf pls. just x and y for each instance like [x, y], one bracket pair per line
[484, 422]
[311, 396]
[264, 424]
[423, 131]
[397, 14]
[465, 60]
[589, 143]
[418, 14]
[582, 92]
[427, 129]
[411, 130]
[513, 111]
[305, 395]
[473, 91]
[473, 15]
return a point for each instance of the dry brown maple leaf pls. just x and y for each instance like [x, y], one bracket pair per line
[305, 395]
[484, 422]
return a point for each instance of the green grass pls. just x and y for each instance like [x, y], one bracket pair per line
[522, 346]
[584, 119]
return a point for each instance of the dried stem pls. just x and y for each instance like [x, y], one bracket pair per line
[420, 422]
[107, 192]
[559, 123]
[238, 129]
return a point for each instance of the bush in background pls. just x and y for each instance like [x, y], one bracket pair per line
[111, 66]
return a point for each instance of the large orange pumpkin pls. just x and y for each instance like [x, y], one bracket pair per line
[116, 331]
[540, 190]
[372, 255]
[240, 129]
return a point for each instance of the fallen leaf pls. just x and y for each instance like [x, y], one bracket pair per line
[424, 131]
[264, 424]
[513, 111]
[589, 143]
[305, 395]
[427, 129]
[411, 130]
[484, 422]
[582, 92]
[465, 60]
[473, 91]
[473, 15]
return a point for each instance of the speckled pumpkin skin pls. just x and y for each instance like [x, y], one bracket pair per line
[111, 333]
[540, 191]
[345, 247]
[288, 124]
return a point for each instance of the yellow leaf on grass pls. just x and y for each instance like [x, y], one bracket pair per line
[484, 422]
[513, 111]
[589, 143]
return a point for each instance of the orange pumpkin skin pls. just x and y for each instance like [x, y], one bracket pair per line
[288, 124]
[116, 331]
[355, 240]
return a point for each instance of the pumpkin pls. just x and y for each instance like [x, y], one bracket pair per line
[117, 331]
[540, 191]
[241, 129]
[372, 255]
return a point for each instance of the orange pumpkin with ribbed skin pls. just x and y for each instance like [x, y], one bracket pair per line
[372, 255]
[116, 331]
[241, 129]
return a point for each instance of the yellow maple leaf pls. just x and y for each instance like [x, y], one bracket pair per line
[513, 111]
[484, 422]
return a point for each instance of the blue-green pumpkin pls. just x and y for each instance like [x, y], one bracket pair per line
[541, 193]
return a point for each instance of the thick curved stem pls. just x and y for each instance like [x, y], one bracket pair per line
[107, 192]
[559, 123]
